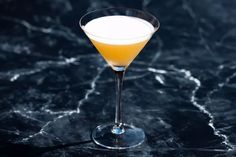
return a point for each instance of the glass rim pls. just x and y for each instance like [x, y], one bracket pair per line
[102, 9]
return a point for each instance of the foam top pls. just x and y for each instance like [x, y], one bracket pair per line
[119, 30]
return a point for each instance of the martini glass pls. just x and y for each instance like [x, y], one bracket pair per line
[118, 34]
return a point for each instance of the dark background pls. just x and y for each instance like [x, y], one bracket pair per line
[55, 87]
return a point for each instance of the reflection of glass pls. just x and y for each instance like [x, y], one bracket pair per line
[119, 34]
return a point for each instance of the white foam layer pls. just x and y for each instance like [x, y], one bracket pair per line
[119, 30]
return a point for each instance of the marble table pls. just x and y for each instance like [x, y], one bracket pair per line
[55, 88]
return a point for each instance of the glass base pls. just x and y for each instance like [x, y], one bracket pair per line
[103, 135]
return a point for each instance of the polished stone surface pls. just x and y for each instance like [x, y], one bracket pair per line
[55, 88]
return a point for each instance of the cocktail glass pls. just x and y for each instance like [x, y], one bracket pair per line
[118, 34]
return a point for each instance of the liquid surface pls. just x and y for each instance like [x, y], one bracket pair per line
[119, 39]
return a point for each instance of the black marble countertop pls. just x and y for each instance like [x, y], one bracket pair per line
[55, 87]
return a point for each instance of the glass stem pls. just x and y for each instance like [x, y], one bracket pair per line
[118, 127]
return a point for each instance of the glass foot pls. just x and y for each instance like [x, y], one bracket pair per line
[103, 135]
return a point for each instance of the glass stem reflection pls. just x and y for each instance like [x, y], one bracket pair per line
[118, 127]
